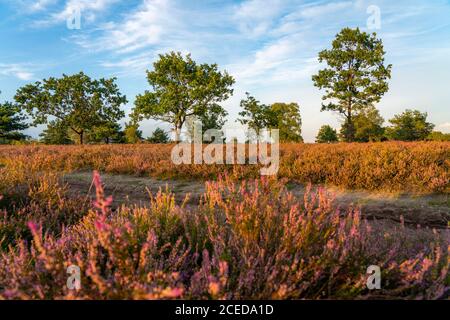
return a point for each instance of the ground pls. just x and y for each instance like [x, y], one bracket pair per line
[432, 211]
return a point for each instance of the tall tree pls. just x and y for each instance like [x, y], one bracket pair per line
[182, 88]
[356, 76]
[11, 123]
[327, 135]
[77, 100]
[411, 125]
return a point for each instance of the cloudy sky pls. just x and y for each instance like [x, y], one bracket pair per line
[269, 46]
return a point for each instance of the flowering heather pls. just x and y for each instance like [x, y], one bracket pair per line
[244, 240]
[420, 167]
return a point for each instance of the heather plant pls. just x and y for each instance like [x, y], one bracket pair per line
[245, 240]
[419, 167]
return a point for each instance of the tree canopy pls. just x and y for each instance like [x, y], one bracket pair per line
[159, 136]
[283, 116]
[11, 123]
[368, 125]
[411, 125]
[355, 77]
[56, 133]
[77, 101]
[182, 88]
[327, 135]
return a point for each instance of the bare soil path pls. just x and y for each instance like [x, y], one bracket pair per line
[431, 211]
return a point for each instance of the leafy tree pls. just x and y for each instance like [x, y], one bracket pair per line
[109, 132]
[289, 121]
[356, 76]
[57, 132]
[77, 100]
[11, 123]
[213, 118]
[438, 136]
[368, 126]
[282, 116]
[132, 133]
[159, 136]
[327, 135]
[182, 88]
[411, 125]
[255, 115]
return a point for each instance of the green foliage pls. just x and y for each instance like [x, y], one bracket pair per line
[182, 88]
[77, 100]
[132, 133]
[411, 125]
[327, 135]
[11, 123]
[368, 125]
[356, 76]
[289, 121]
[56, 133]
[438, 136]
[159, 136]
[283, 116]
[109, 132]
[213, 119]
[255, 115]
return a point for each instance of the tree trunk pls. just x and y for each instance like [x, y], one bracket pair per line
[81, 137]
[177, 133]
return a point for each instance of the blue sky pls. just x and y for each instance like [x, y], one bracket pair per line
[269, 46]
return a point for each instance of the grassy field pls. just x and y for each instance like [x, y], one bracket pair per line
[154, 230]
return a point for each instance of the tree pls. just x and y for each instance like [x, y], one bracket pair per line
[282, 116]
[213, 118]
[438, 136]
[255, 115]
[368, 126]
[182, 88]
[289, 121]
[11, 123]
[132, 133]
[327, 135]
[109, 132]
[159, 136]
[411, 125]
[56, 133]
[77, 100]
[356, 76]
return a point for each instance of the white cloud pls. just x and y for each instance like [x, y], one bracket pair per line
[16, 70]
[444, 127]
[256, 17]
[89, 10]
[141, 28]
[315, 11]
[40, 5]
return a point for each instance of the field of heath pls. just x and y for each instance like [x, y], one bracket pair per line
[243, 237]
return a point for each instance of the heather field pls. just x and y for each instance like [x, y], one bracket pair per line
[140, 227]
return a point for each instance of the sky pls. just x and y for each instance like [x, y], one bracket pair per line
[270, 47]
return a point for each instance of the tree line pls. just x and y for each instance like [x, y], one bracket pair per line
[78, 109]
